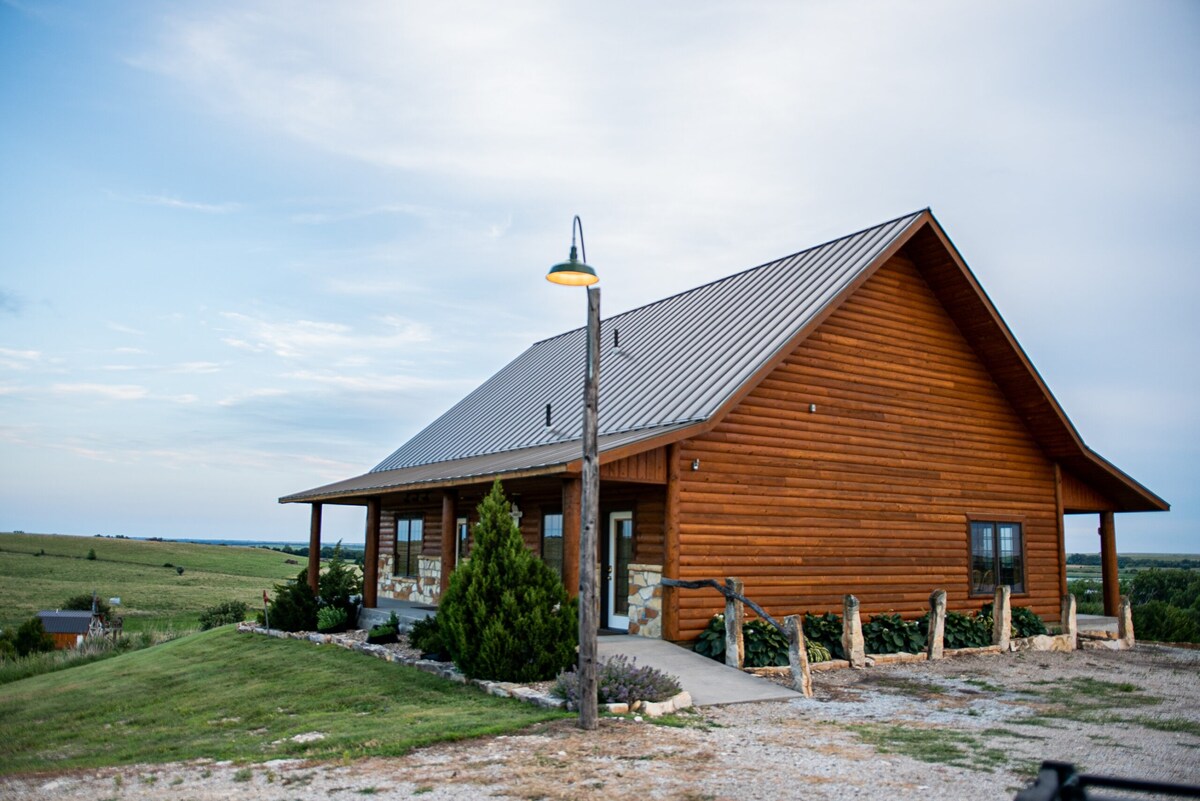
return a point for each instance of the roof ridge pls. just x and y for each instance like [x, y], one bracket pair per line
[739, 273]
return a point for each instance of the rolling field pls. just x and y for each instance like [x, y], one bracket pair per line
[152, 595]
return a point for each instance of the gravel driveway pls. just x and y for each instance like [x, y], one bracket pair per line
[964, 728]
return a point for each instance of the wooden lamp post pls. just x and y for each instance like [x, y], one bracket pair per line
[575, 272]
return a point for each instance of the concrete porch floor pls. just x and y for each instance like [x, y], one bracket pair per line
[709, 682]
[1096, 623]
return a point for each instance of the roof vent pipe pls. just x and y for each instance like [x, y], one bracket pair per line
[548, 417]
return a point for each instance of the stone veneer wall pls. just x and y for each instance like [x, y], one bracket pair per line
[645, 601]
[424, 589]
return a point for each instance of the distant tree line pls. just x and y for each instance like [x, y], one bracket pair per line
[351, 555]
[1136, 561]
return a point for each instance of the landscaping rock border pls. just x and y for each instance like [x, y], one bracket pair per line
[448, 671]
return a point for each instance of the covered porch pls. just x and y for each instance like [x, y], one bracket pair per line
[417, 534]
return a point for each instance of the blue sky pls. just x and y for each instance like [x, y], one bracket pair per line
[250, 248]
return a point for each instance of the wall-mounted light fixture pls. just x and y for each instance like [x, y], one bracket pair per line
[695, 464]
[812, 408]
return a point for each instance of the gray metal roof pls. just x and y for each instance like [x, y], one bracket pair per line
[68, 622]
[678, 361]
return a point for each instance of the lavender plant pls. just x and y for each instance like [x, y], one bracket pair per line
[620, 681]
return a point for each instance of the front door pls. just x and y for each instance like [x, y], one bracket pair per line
[616, 571]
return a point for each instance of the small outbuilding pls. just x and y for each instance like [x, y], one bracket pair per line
[70, 628]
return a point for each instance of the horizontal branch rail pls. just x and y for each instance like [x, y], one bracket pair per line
[728, 593]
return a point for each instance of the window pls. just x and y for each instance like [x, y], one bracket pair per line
[552, 541]
[408, 544]
[464, 538]
[997, 557]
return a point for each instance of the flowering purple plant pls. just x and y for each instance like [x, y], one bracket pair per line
[620, 681]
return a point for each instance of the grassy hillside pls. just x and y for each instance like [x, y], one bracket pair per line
[151, 594]
[224, 695]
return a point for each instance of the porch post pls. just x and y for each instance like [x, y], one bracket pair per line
[572, 491]
[670, 601]
[449, 538]
[371, 556]
[314, 548]
[1108, 563]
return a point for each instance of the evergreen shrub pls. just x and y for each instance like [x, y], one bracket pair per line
[340, 585]
[506, 615]
[426, 636]
[293, 606]
[223, 614]
[1159, 621]
[331, 619]
[385, 632]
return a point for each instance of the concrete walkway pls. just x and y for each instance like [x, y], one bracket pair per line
[710, 683]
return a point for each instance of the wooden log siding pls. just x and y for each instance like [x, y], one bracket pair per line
[870, 494]
[649, 467]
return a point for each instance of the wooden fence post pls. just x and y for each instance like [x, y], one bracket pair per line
[1070, 622]
[1002, 617]
[1125, 622]
[735, 615]
[852, 636]
[798, 656]
[935, 639]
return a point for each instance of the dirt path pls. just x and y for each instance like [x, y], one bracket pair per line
[974, 727]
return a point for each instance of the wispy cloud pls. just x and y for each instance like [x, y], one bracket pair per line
[302, 338]
[252, 395]
[18, 359]
[171, 202]
[381, 383]
[121, 328]
[196, 368]
[117, 392]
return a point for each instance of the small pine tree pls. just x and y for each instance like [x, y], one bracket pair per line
[339, 583]
[294, 607]
[506, 615]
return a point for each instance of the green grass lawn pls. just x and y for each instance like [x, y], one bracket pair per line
[224, 695]
[151, 594]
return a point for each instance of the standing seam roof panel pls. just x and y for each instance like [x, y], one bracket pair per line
[681, 357]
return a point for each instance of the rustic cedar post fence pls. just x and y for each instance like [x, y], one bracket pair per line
[792, 629]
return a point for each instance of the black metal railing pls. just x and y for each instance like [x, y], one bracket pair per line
[1059, 781]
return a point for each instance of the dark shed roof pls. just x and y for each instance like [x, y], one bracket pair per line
[69, 622]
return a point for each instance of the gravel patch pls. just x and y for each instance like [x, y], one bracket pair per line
[965, 728]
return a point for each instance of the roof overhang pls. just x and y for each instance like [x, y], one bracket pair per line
[559, 458]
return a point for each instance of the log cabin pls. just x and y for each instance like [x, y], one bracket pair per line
[853, 418]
